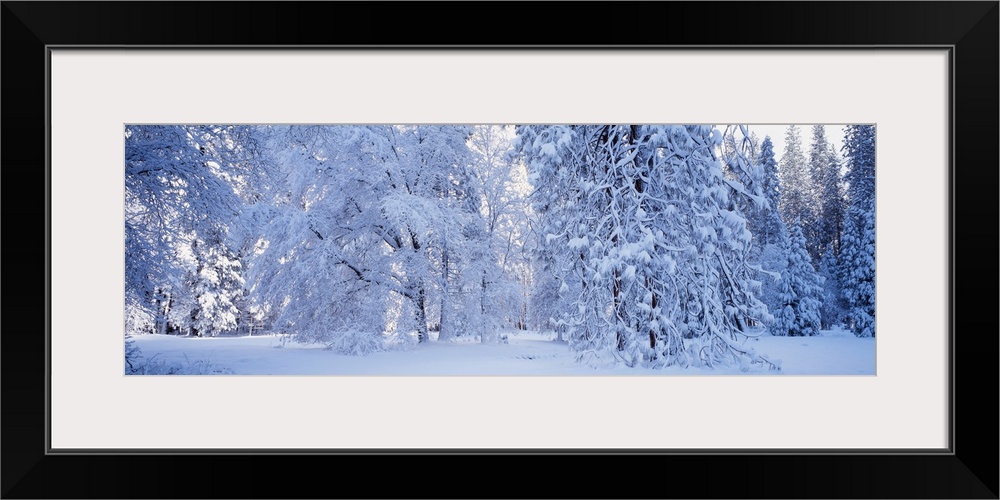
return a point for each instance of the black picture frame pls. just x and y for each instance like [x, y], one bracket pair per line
[968, 470]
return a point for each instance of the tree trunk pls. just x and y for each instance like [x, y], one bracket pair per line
[421, 303]
[653, 303]
[163, 310]
[444, 326]
[482, 308]
[617, 306]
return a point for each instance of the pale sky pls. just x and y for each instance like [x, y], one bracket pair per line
[834, 134]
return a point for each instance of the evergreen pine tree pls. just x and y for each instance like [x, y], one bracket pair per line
[801, 290]
[827, 197]
[796, 181]
[834, 202]
[217, 285]
[765, 221]
[834, 304]
[857, 262]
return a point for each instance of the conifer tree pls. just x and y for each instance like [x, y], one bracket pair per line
[857, 262]
[801, 291]
[834, 202]
[765, 221]
[827, 199]
[834, 304]
[796, 181]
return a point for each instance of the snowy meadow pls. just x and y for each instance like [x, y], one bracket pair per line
[499, 250]
[526, 354]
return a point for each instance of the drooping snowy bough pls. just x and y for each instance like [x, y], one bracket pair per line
[646, 236]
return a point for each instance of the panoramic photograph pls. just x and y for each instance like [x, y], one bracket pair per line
[499, 250]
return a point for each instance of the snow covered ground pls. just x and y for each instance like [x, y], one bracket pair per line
[528, 353]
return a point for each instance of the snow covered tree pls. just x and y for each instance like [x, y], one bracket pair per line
[181, 184]
[768, 229]
[655, 246]
[796, 182]
[826, 197]
[555, 165]
[562, 164]
[834, 201]
[363, 238]
[859, 151]
[801, 293]
[857, 259]
[321, 264]
[772, 266]
[738, 143]
[765, 221]
[498, 267]
[834, 304]
[858, 271]
[451, 228]
[217, 286]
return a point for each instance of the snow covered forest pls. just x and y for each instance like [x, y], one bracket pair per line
[616, 248]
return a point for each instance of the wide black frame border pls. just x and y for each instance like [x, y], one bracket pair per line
[971, 28]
